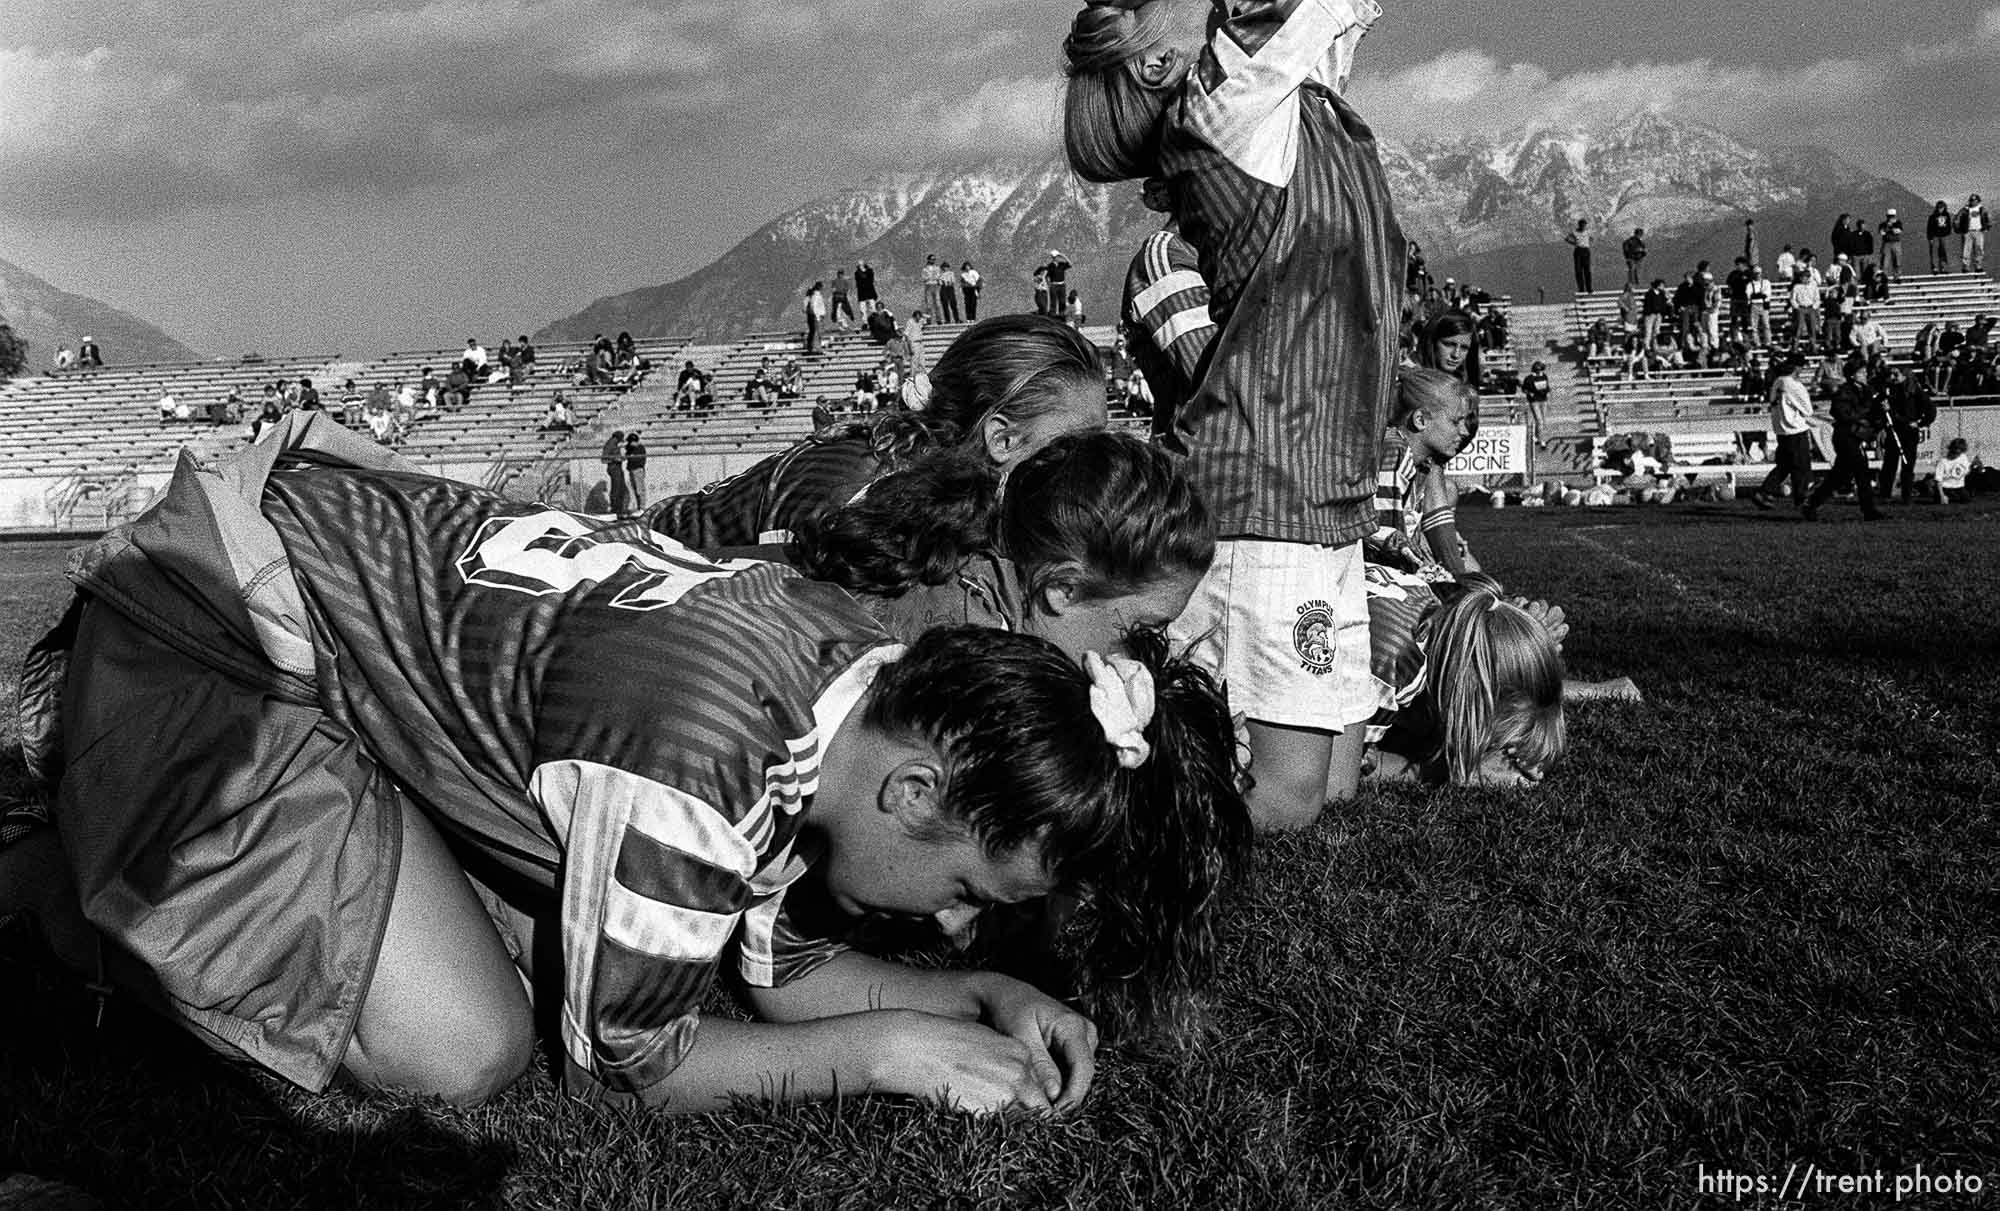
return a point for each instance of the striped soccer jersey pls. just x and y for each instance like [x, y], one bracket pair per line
[1402, 526]
[1166, 299]
[632, 726]
[1278, 186]
[763, 503]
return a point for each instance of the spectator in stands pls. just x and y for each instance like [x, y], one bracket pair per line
[288, 389]
[88, 355]
[273, 398]
[1952, 471]
[1535, 388]
[1826, 378]
[1737, 285]
[1634, 249]
[1579, 242]
[815, 310]
[308, 396]
[932, 281]
[1937, 233]
[1654, 309]
[1805, 310]
[228, 411]
[597, 371]
[1058, 267]
[625, 352]
[1911, 412]
[1841, 239]
[867, 389]
[947, 292]
[524, 358]
[1711, 307]
[1073, 310]
[968, 288]
[1416, 272]
[823, 417]
[1889, 237]
[613, 456]
[507, 366]
[762, 386]
[381, 414]
[429, 392]
[1869, 336]
[406, 402]
[558, 418]
[1858, 418]
[913, 333]
[864, 288]
[1040, 280]
[457, 391]
[269, 414]
[635, 469]
[1628, 312]
[1751, 254]
[474, 360]
[65, 358]
[1597, 338]
[843, 311]
[170, 408]
[1687, 310]
[1864, 249]
[792, 380]
[881, 324]
[1791, 421]
[889, 380]
[1972, 224]
[1788, 264]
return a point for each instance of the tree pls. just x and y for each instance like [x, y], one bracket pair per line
[13, 352]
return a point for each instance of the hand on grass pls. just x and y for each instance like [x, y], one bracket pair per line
[1061, 1043]
[969, 1067]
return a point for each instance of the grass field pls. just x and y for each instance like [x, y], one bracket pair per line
[1752, 924]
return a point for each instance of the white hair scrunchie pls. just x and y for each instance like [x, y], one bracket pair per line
[1121, 696]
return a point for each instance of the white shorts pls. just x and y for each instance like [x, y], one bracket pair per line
[1285, 626]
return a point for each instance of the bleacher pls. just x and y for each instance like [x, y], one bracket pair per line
[1680, 398]
[83, 450]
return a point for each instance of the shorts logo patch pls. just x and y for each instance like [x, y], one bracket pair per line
[1312, 636]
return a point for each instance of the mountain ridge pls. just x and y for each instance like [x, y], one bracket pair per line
[47, 316]
[1485, 208]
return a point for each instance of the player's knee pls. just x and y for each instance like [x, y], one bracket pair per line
[1283, 803]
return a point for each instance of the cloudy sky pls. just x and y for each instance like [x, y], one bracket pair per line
[355, 177]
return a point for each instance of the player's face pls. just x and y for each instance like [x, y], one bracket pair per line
[1450, 429]
[885, 869]
[1102, 625]
[1453, 350]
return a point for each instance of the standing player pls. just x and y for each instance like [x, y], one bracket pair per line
[1278, 185]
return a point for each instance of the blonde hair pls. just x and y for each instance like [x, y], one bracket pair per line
[1495, 677]
[1111, 119]
[1422, 389]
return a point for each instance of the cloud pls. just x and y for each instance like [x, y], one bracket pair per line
[1914, 112]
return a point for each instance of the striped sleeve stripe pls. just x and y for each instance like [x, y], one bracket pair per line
[664, 931]
[1189, 321]
[593, 826]
[680, 820]
[1166, 284]
[1439, 519]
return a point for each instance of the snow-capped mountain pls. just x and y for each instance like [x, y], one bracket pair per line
[1488, 210]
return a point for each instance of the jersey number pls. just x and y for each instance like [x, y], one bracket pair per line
[552, 552]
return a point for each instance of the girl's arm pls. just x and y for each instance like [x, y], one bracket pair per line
[966, 1065]
[1440, 524]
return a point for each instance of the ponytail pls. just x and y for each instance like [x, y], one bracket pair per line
[1148, 941]
[1111, 120]
[912, 527]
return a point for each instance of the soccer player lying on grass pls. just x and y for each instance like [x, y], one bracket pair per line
[1004, 389]
[288, 683]
[1090, 538]
[1470, 684]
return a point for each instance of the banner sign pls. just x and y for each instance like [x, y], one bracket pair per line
[1498, 450]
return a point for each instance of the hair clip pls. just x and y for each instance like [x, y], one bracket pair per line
[1121, 696]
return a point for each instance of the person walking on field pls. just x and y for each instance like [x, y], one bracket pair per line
[1857, 421]
[1579, 242]
[1791, 421]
